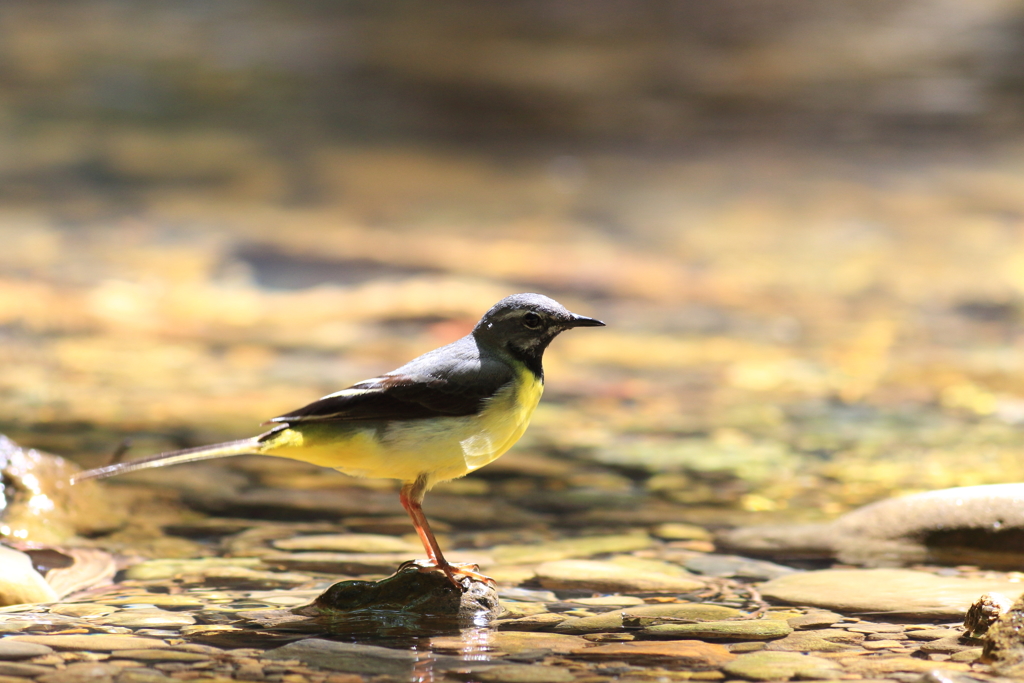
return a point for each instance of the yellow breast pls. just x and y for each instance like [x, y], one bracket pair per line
[503, 420]
[440, 448]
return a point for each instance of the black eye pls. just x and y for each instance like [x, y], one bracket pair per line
[531, 321]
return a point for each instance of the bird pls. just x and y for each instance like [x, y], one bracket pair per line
[439, 417]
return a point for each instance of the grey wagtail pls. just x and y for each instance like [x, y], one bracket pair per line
[436, 418]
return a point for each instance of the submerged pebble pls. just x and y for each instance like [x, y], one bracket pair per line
[12, 649]
[774, 666]
[347, 657]
[740, 629]
[693, 655]
[610, 577]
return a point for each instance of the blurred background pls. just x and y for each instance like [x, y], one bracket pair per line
[803, 222]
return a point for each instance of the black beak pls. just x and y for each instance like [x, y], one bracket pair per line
[584, 321]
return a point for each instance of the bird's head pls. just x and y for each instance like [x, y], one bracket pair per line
[524, 324]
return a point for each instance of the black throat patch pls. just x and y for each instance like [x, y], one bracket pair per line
[531, 356]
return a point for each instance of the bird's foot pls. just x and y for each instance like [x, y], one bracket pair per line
[455, 572]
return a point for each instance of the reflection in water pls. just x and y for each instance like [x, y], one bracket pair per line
[469, 640]
[477, 643]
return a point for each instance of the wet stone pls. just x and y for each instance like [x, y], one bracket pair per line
[82, 610]
[515, 642]
[527, 595]
[609, 621]
[971, 654]
[347, 543]
[932, 633]
[92, 643]
[947, 645]
[148, 618]
[515, 610]
[346, 657]
[609, 637]
[876, 645]
[883, 666]
[338, 563]
[524, 673]
[36, 623]
[610, 601]
[610, 577]
[12, 649]
[154, 599]
[21, 669]
[81, 671]
[586, 546]
[730, 566]
[162, 655]
[884, 636]
[144, 675]
[159, 570]
[770, 666]
[209, 629]
[750, 646]
[871, 627]
[536, 622]
[677, 654]
[822, 640]
[650, 615]
[748, 629]
[815, 619]
[889, 591]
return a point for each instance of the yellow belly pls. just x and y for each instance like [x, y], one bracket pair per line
[440, 448]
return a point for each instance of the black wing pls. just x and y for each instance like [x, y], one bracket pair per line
[449, 382]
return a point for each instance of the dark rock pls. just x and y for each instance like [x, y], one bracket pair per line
[985, 612]
[1004, 642]
[411, 590]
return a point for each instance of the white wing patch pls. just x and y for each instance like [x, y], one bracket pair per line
[351, 391]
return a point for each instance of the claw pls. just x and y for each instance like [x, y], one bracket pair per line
[452, 571]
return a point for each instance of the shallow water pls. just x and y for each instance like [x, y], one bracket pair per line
[792, 334]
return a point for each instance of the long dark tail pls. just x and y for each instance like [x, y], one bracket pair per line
[219, 450]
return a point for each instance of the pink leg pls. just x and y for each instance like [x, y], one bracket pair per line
[412, 499]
